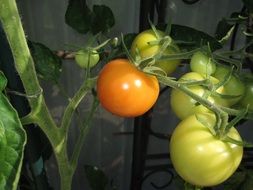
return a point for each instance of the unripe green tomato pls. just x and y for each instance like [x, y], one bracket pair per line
[142, 43]
[142, 40]
[201, 63]
[201, 158]
[86, 59]
[169, 66]
[183, 105]
[247, 99]
[233, 87]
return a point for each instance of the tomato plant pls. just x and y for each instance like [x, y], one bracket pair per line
[124, 90]
[201, 158]
[233, 87]
[86, 58]
[143, 44]
[183, 105]
[201, 63]
[202, 154]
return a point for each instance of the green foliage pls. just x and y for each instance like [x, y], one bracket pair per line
[47, 64]
[78, 16]
[96, 177]
[3, 81]
[82, 19]
[103, 19]
[190, 35]
[12, 141]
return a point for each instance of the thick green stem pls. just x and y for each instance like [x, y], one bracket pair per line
[24, 64]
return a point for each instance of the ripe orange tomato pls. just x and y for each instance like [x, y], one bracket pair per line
[124, 90]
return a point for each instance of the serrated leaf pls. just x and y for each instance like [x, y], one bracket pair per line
[103, 19]
[12, 141]
[188, 34]
[47, 64]
[3, 81]
[96, 177]
[79, 16]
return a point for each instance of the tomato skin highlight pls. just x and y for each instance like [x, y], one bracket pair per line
[124, 90]
[199, 157]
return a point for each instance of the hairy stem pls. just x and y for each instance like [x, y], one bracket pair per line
[221, 115]
[24, 64]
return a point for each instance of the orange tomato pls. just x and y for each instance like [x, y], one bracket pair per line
[126, 91]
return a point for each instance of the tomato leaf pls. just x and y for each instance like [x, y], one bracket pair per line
[47, 64]
[79, 16]
[3, 81]
[96, 177]
[12, 142]
[103, 19]
[82, 19]
[190, 35]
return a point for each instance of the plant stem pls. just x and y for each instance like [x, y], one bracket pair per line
[24, 64]
[83, 133]
[75, 101]
[221, 115]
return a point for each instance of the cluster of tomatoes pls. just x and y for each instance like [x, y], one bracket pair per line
[197, 154]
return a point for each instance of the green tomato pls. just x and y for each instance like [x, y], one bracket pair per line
[201, 63]
[199, 157]
[142, 40]
[247, 99]
[142, 43]
[169, 66]
[183, 105]
[86, 59]
[234, 87]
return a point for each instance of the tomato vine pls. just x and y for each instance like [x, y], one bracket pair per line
[148, 49]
